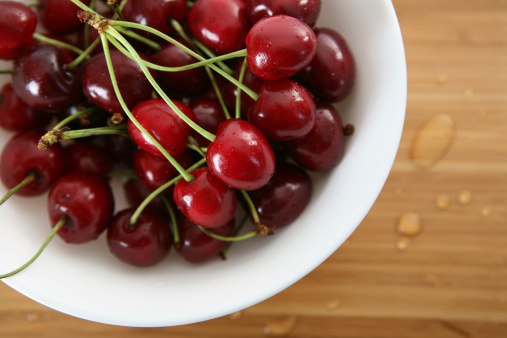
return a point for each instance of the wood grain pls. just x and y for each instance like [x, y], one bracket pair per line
[451, 281]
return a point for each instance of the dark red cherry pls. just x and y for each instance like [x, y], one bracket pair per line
[206, 200]
[41, 80]
[304, 10]
[208, 115]
[145, 244]
[331, 74]
[136, 192]
[98, 88]
[21, 157]
[241, 156]
[120, 148]
[160, 120]
[322, 148]
[284, 110]
[154, 171]
[86, 200]
[221, 25]
[188, 83]
[196, 246]
[17, 25]
[16, 115]
[89, 158]
[279, 46]
[59, 16]
[284, 198]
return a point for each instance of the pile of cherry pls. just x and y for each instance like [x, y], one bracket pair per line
[239, 129]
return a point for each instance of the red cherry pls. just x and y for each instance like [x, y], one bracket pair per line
[206, 200]
[208, 115]
[145, 244]
[221, 25]
[284, 110]
[241, 156]
[21, 157]
[304, 10]
[163, 124]
[136, 192]
[331, 74]
[86, 200]
[322, 148]
[17, 25]
[89, 158]
[279, 47]
[59, 16]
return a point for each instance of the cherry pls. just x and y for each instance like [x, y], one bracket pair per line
[322, 148]
[15, 115]
[86, 201]
[41, 80]
[331, 74]
[144, 244]
[192, 82]
[241, 156]
[196, 246]
[120, 148]
[136, 192]
[59, 16]
[284, 110]
[21, 158]
[160, 120]
[279, 46]
[221, 25]
[304, 10]
[208, 115]
[98, 88]
[285, 196]
[89, 158]
[206, 200]
[17, 25]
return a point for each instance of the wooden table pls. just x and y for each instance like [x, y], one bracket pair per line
[449, 281]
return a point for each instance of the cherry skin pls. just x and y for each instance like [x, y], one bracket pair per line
[279, 47]
[208, 115]
[284, 198]
[89, 158]
[86, 201]
[136, 192]
[59, 16]
[284, 110]
[160, 120]
[196, 246]
[331, 74]
[221, 25]
[145, 244]
[21, 157]
[15, 115]
[41, 80]
[304, 10]
[206, 200]
[322, 148]
[241, 156]
[17, 25]
[98, 88]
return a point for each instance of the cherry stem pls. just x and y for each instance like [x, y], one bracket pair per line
[140, 38]
[52, 234]
[251, 206]
[75, 116]
[194, 145]
[164, 152]
[248, 235]
[85, 55]
[49, 41]
[120, 129]
[238, 92]
[174, 222]
[236, 232]
[159, 190]
[34, 4]
[212, 56]
[32, 176]
[8, 71]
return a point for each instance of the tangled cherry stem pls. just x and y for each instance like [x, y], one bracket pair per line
[79, 114]
[52, 234]
[83, 56]
[174, 222]
[49, 41]
[150, 43]
[28, 179]
[238, 94]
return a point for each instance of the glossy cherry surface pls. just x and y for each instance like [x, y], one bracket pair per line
[331, 74]
[41, 80]
[304, 10]
[145, 244]
[285, 196]
[284, 110]
[17, 25]
[206, 200]
[322, 148]
[160, 120]
[89, 158]
[86, 201]
[59, 16]
[279, 46]
[208, 115]
[21, 157]
[241, 156]
[221, 25]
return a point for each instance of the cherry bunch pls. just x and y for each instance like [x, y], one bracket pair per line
[153, 106]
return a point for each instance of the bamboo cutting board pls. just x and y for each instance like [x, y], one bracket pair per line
[449, 280]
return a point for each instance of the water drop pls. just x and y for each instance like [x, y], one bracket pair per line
[468, 92]
[403, 243]
[486, 212]
[409, 224]
[32, 317]
[281, 327]
[442, 79]
[333, 304]
[465, 197]
[443, 201]
[236, 315]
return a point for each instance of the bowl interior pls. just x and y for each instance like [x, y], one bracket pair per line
[86, 281]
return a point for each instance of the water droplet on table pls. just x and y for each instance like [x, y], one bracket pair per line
[442, 79]
[403, 243]
[280, 327]
[236, 315]
[333, 304]
[465, 197]
[486, 212]
[409, 224]
[443, 201]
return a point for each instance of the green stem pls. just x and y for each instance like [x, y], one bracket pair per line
[251, 206]
[75, 116]
[194, 145]
[85, 55]
[139, 38]
[228, 239]
[27, 180]
[52, 234]
[82, 6]
[49, 41]
[206, 51]
[174, 222]
[238, 92]
[8, 71]
[34, 4]
[109, 130]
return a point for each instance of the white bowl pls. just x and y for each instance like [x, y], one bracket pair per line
[86, 281]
